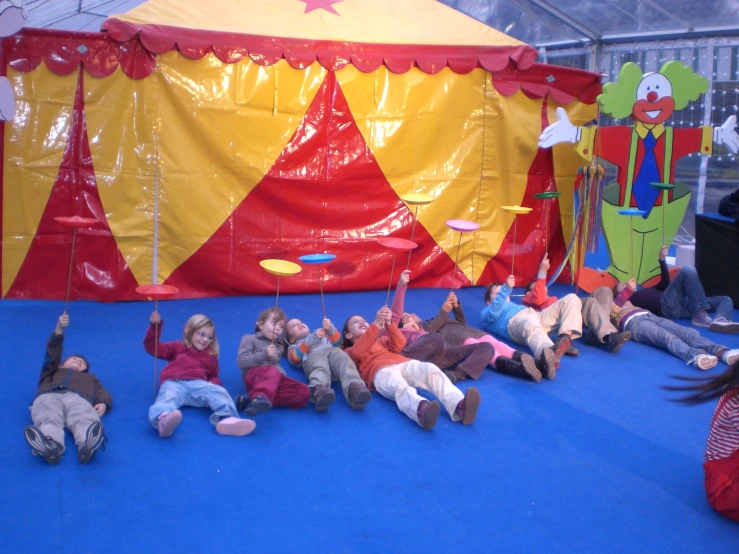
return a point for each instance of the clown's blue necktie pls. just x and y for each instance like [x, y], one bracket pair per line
[644, 193]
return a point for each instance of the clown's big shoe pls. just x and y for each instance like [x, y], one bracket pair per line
[647, 235]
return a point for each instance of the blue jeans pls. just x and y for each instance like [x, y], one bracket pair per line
[684, 342]
[198, 393]
[685, 297]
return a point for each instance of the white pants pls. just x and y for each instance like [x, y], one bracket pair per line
[396, 382]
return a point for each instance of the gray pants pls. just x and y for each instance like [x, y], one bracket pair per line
[52, 411]
[327, 364]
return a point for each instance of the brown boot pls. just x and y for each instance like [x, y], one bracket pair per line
[524, 369]
[467, 408]
[323, 397]
[562, 345]
[358, 396]
[428, 412]
[548, 363]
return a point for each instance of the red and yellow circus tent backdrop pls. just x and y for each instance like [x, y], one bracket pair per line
[206, 136]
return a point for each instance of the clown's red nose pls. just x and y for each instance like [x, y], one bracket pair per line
[652, 96]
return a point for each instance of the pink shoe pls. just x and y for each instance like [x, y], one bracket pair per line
[167, 422]
[235, 427]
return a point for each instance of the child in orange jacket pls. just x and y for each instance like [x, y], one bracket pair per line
[394, 376]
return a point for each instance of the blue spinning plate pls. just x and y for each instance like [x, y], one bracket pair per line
[317, 258]
[632, 211]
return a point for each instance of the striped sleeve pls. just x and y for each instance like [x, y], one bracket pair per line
[723, 439]
[335, 336]
[296, 353]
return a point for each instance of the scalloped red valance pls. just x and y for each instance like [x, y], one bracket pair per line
[134, 49]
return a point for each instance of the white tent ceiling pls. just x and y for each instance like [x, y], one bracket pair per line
[536, 22]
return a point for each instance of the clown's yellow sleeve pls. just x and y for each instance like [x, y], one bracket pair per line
[586, 146]
[706, 140]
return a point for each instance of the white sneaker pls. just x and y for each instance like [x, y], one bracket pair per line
[730, 356]
[704, 361]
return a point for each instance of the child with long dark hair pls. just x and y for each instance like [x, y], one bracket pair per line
[722, 451]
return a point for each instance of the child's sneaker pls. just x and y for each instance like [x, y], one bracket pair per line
[467, 408]
[167, 422]
[704, 361]
[572, 350]
[358, 396]
[428, 412]
[562, 345]
[235, 427]
[702, 319]
[241, 402]
[549, 363]
[43, 446]
[729, 356]
[323, 396]
[615, 341]
[258, 405]
[722, 324]
[94, 439]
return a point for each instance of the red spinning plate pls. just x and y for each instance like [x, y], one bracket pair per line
[394, 243]
[157, 292]
[76, 221]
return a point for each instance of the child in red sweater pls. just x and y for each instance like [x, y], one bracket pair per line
[191, 378]
[722, 451]
[394, 376]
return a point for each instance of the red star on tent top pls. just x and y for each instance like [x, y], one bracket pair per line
[327, 5]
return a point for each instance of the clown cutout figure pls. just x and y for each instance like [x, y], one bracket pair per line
[644, 153]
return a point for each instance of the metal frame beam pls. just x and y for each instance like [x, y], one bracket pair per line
[567, 20]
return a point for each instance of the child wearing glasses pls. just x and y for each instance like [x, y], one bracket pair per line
[191, 378]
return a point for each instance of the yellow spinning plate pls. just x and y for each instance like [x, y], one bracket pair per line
[283, 268]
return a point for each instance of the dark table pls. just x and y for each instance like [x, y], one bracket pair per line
[717, 255]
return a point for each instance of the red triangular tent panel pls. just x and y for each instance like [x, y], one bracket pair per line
[529, 246]
[292, 212]
[100, 271]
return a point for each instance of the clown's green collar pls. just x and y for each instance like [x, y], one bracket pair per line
[643, 128]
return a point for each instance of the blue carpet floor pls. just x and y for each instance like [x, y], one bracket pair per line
[595, 461]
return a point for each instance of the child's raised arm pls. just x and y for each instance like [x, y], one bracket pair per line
[457, 308]
[493, 310]
[399, 296]
[332, 333]
[442, 317]
[396, 341]
[54, 346]
[164, 350]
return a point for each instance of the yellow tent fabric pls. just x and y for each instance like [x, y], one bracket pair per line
[376, 21]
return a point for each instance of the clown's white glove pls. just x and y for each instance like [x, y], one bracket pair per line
[559, 131]
[13, 17]
[726, 134]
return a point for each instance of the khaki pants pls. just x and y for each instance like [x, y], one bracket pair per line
[532, 328]
[52, 411]
[396, 382]
[596, 313]
[327, 364]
